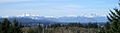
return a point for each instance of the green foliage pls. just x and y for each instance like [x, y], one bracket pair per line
[102, 30]
[40, 28]
[0, 27]
[56, 25]
[92, 25]
[114, 19]
[7, 27]
[75, 25]
[31, 31]
[16, 27]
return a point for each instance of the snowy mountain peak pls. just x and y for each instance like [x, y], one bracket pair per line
[4, 16]
[93, 15]
[26, 14]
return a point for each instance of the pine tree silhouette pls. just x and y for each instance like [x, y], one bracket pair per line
[16, 26]
[114, 19]
[5, 25]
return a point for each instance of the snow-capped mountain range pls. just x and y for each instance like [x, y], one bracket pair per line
[82, 19]
[46, 20]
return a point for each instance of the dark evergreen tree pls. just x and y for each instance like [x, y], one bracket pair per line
[40, 28]
[16, 26]
[75, 25]
[0, 27]
[5, 25]
[114, 19]
[92, 25]
[102, 30]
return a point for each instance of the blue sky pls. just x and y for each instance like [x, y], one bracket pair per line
[56, 7]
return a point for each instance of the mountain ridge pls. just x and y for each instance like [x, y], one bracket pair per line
[78, 18]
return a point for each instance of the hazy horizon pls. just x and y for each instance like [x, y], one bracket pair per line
[57, 7]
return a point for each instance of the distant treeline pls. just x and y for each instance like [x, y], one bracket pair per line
[15, 26]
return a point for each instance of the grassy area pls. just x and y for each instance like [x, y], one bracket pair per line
[63, 30]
